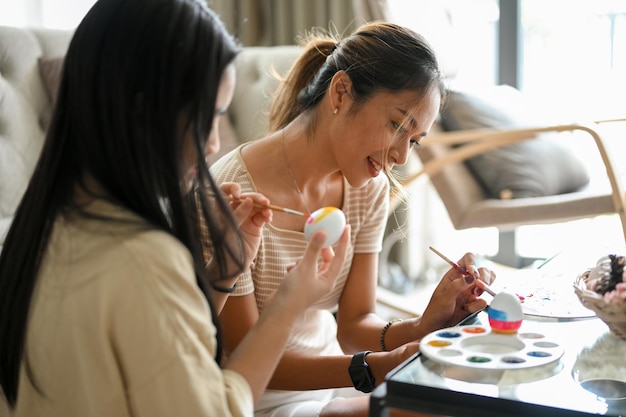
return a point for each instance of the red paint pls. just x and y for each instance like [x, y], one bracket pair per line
[500, 326]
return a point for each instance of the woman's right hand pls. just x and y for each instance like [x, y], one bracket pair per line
[250, 215]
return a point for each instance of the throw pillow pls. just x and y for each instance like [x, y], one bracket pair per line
[50, 70]
[5, 224]
[535, 167]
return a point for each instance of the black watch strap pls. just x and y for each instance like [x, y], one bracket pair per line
[360, 372]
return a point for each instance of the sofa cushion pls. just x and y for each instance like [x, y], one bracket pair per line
[532, 168]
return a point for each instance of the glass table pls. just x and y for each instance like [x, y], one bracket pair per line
[587, 378]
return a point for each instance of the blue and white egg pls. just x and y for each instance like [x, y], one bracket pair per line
[505, 313]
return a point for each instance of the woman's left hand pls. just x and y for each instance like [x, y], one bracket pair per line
[456, 296]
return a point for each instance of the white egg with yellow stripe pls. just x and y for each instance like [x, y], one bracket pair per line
[329, 219]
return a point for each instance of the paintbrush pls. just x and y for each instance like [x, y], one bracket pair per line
[464, 271]
[273, 207]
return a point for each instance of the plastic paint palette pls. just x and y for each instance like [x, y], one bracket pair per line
[479, 347]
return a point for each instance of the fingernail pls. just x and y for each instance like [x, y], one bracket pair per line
[469, 279]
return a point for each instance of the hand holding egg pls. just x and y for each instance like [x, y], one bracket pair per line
[329, 219]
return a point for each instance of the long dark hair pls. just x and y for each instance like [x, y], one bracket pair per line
[132, 69]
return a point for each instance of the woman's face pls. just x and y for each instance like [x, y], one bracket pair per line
[383, 131]
[225, 93]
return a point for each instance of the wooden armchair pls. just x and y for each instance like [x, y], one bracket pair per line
[468, 206]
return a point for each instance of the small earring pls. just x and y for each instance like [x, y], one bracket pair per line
[336, 110]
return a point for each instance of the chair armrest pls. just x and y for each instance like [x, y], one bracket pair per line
[478, 141]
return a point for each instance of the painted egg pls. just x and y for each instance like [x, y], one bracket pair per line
[505, 313]
[329, 219]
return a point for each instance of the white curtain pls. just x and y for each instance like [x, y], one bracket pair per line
[370, 10]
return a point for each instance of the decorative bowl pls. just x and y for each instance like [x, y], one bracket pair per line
[614, 315]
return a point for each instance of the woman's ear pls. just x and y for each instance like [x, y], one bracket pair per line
[340, 91]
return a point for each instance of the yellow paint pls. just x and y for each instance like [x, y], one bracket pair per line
[439, 343]
[324, 213]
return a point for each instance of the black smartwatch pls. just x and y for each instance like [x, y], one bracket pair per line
[360, 372]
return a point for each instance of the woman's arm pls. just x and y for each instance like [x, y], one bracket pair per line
[238, 316]
[358, 326]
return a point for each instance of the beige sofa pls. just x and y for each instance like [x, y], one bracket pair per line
[26, 103]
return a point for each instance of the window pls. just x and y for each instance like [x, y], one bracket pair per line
[463, 33]
[571, 52]
[575, 53]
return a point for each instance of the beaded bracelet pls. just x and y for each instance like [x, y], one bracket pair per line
[224, 290]
[382, 334]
